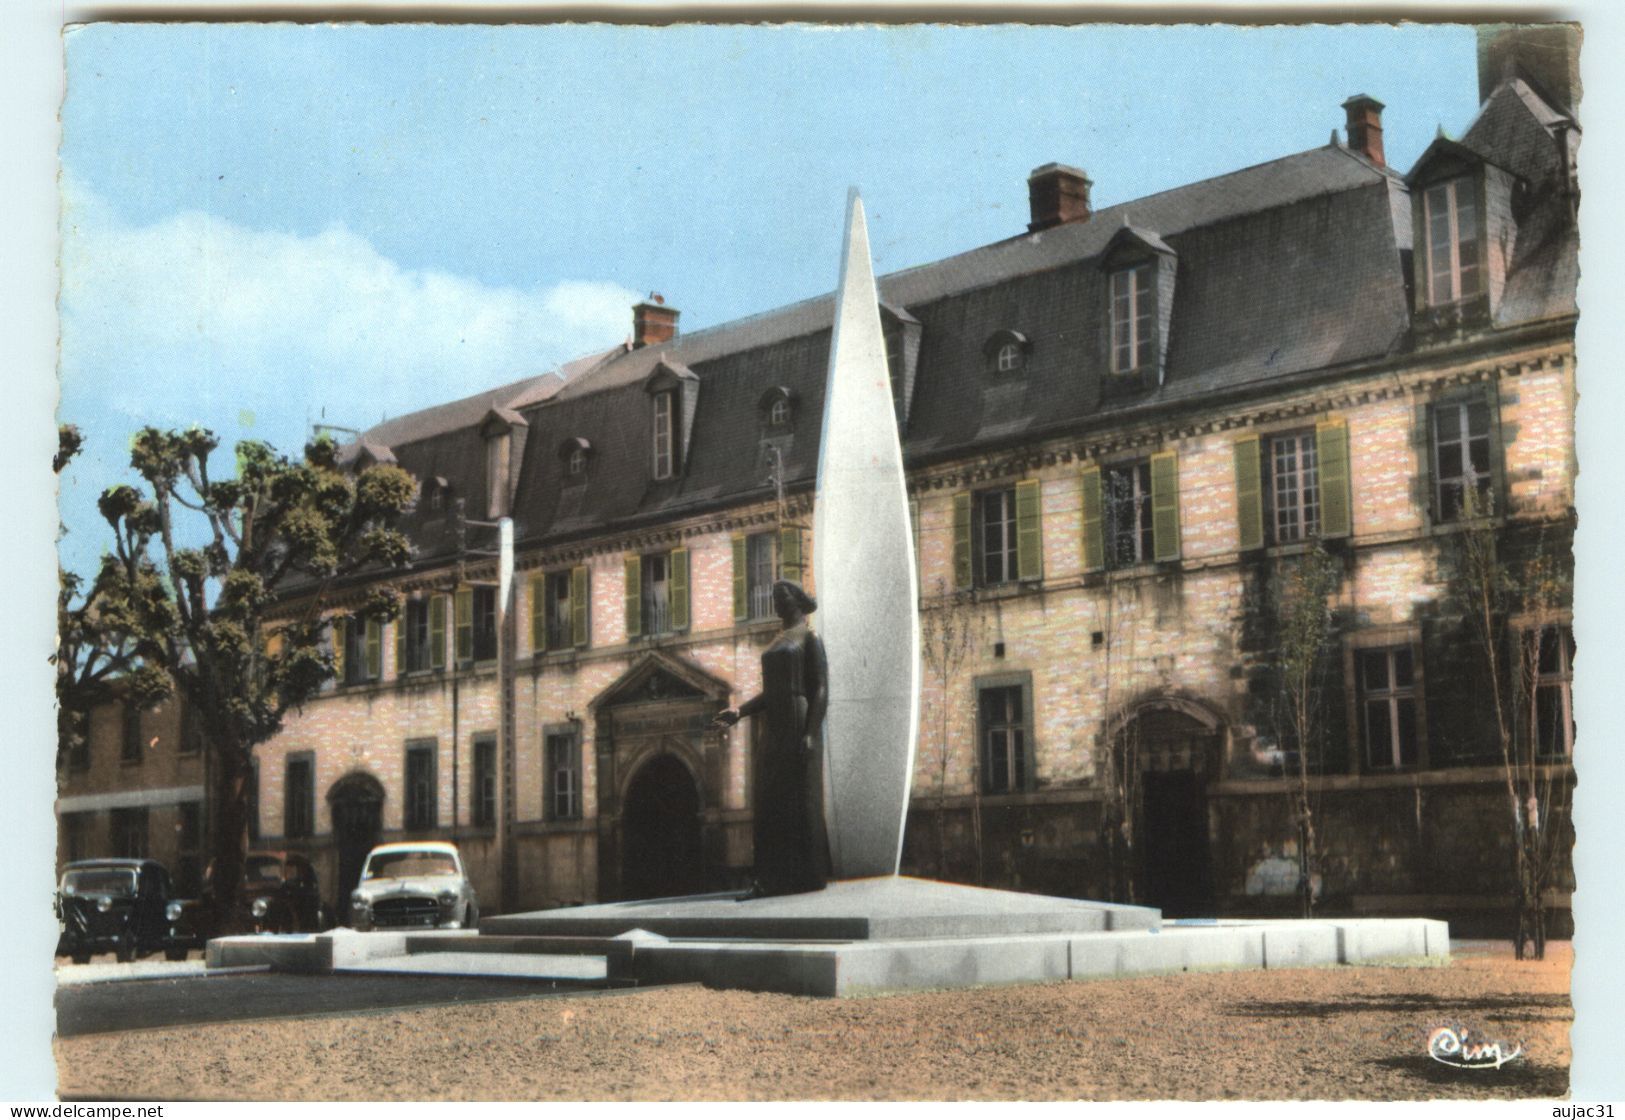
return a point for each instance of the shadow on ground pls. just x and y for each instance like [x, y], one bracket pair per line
[1522, 1008]
[1518, 1079]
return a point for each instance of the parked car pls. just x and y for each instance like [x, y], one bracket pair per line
[122, 906]
[411, 885]
[279, 894]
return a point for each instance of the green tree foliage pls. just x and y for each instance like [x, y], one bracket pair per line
[193, 616]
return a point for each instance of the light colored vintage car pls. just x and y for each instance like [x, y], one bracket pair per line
[414, 885]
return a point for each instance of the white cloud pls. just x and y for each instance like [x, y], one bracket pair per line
[194, 317]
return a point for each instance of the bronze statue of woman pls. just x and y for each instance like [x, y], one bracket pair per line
[787, 767]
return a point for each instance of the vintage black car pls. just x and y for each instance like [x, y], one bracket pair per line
[122, 906]
[280, 895]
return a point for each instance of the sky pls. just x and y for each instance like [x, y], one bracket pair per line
[337, 224]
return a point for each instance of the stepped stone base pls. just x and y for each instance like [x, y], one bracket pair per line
[856, 937]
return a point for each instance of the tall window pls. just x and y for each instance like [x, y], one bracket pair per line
[560, 619]
[996, 536]
[1553, 709]
[563, 776]
[485, 781]
[1131, 318]
[1461, 457]
[127, 832]
[1450, 211]
[424, 639]
[664, 432]
[1004, 739]
[1388, 707]
[420, 807]
[1294, 482]
[362, 649]
[485, 623]
[657, 593]
[1129, 539]
[130, 744]
[76, 838]
[188, 843]
[299, 797]
[759, 574]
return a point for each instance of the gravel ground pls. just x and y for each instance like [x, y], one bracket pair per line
[1341, 1033]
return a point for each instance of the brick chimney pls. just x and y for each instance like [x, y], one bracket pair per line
[1057, 194]
[653, 322]
[1365, 127]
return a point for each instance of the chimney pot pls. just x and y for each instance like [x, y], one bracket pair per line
[653, 322]
[1057, 194]
[1365, 127]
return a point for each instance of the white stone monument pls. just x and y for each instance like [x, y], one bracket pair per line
[866, 583]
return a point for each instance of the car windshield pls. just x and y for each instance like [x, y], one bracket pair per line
[402, 865]
[263, 869]
[116, 881]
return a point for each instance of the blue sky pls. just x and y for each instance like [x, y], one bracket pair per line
[265, 226]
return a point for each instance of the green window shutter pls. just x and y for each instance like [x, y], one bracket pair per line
[375, 649]
[437, 632]
[400, 642]
[463, 614]
[579, 590]
[1094, 540]
[634, 596]
[1029, 530]
[1165, 505]
[1332, 460]
[1249, 493]
[340, 631]
[741, 606]
[679, 589]
[538, 613]
[962, 549]
[790, 554]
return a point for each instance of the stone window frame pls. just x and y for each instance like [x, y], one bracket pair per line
[420, 652]
[1370, 640]
[1306, 513]
[299, 813]
[1534, 678]
[1488, 481]
[1143, 533]
[1458, 200]
[1008, 549]
[564, 737]
[482, 794]
[1131, 300]
[1026, 761]
[130, 744]
[664, 446]
[420, 792]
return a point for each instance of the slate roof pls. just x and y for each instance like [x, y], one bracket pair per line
[1284, 269]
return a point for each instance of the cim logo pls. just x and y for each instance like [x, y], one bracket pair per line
[1454, 1046]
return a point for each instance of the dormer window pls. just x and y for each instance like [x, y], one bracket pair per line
[1132, 322]
[1006, 351]
[573, 454]
[664, 428]
[1453, 235]
[778, 416]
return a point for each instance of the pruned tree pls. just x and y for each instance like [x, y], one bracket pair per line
[278, 531]
[95, 656]
[948, 634]
[1511, 607]
[1303, 607]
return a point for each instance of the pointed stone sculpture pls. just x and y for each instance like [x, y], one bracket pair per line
[863, 562]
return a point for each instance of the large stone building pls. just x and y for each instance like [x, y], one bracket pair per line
[1122, 429]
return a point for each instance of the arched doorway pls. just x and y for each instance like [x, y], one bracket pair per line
[357, 804]
[662, 853]
[1173, 748]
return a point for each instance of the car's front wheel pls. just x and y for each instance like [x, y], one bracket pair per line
[471, 916]
[124, 951]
